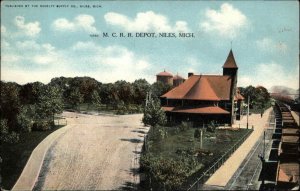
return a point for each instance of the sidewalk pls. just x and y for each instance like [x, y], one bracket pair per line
[221, 177]
[33, 166]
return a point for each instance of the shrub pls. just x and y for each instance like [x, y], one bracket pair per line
[166, 174]
[153, 114]
[24, 119]
[12, 137]
[121, 112]
[197, 134]
[41, 126]
[184, 126]
[157, 133]
[162, 133]
[211, 127]
[5, 135]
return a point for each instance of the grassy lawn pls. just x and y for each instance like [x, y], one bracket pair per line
[180, 145]
[15, 156]
[213, 144]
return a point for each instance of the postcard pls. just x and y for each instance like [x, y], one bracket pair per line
[149, 95]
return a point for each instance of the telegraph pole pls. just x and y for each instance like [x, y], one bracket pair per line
[248, 112]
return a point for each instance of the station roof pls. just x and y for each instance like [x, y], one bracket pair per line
[197, 110]
[202, 87]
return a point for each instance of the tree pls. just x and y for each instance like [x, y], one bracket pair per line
[125, 91]
[86, 86]
[49, 102]
[159, 88]
[262, 97]
[141, 87]
[75, 98]
[29, 92]
[153, 114]
[96, 100]
[5, 135]
[259, 97]
[26, 117]
[108, 94]
[249, 92]
[10, 103]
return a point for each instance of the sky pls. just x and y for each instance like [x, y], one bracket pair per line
[41, 40]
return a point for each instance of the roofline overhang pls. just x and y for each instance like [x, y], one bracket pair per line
[196, 99]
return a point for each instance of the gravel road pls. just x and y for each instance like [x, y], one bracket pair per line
[97, 153]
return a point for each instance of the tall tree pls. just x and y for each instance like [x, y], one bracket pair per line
[49, 102]
[7, 136]
[153, 114]
[159, 88]
[109, 94]
[96, 100]
[29, 92]
[262, 97]
[141, 87]
[9, 103]
[86, 86]
[259, 96]
[125, 91]
[27, 117]
[75, 98]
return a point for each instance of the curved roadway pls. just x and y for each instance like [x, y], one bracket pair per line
[90, 153]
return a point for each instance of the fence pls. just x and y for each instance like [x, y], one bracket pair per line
[210, 171]
[60, 121]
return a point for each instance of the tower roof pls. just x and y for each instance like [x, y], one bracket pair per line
[230, 61]
[164, 73]
[177, 77]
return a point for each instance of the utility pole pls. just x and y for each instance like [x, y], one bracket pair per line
[147, 98]
[264, 144]
[263, 162]
[248, 112]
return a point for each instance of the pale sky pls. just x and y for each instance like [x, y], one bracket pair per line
[40, 43]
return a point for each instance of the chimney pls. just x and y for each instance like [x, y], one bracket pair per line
[190, 74]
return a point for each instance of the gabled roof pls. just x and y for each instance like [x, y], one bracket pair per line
[180, 91]
[202, 87]
[230, 61]
[164, 73]
[202, 91]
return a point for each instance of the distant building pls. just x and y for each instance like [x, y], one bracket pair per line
[168, 78]
[165, 77]
[203, 98]
[238, 98]
[177, 80]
